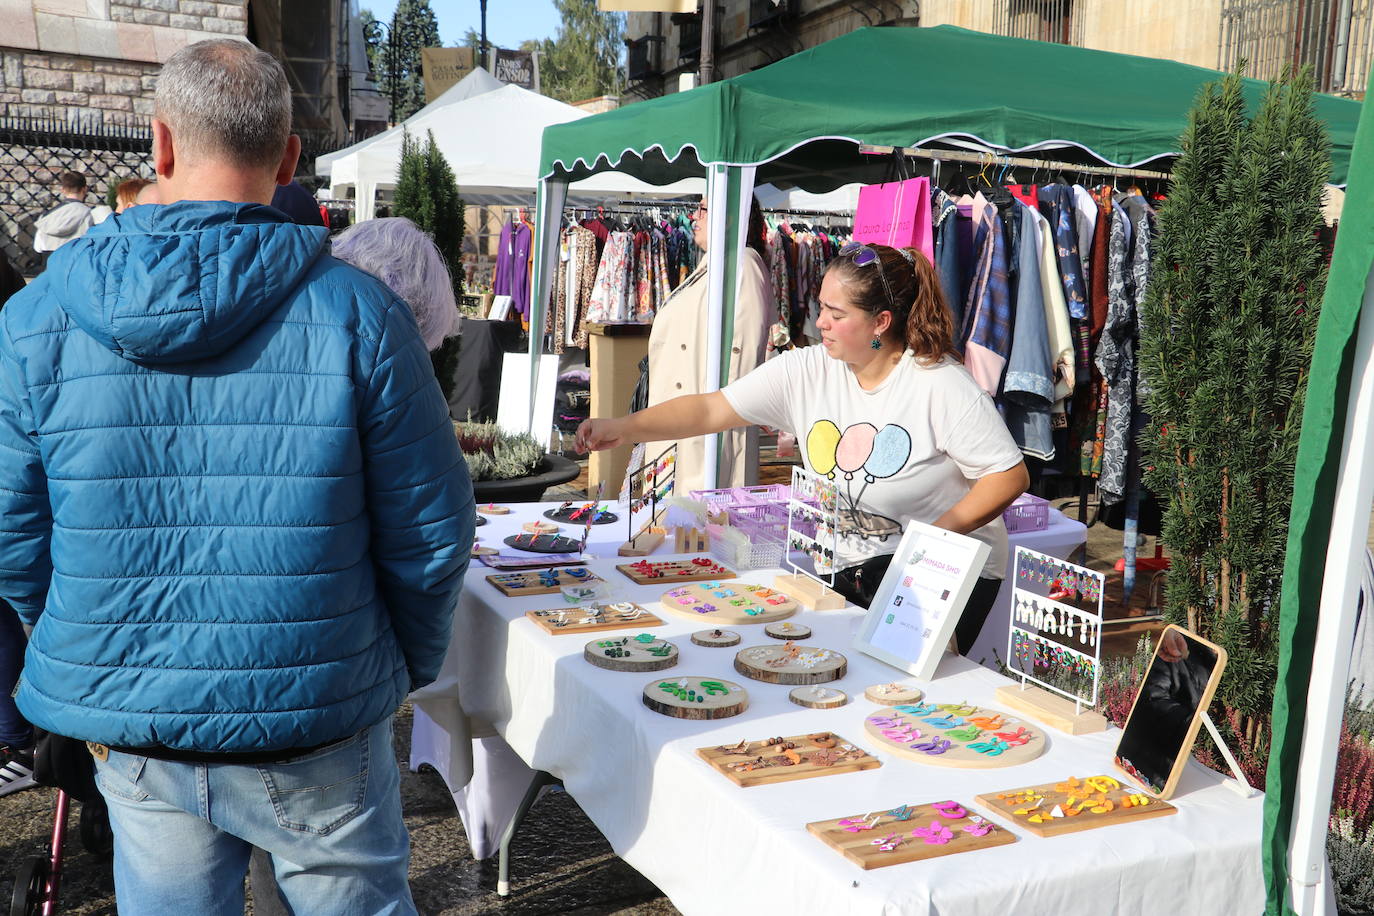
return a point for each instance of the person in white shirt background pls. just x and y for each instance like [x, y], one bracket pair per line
[68, 220]
[885, 409]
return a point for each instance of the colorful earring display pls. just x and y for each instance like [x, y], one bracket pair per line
[647, 484]
[956, 734]
[1055, 634]
[542, 582]
[759, 762]
[813, 524]
[908, 833]
[1075, 804]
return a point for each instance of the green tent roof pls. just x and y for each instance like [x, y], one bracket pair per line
[800, 119]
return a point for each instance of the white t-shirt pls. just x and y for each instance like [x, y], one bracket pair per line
[909, 449]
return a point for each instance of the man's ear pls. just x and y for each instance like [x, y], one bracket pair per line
[286, 171]
[164, 156]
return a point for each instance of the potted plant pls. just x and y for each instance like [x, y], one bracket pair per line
[509, 467]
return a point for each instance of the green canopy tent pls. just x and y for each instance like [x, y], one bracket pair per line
[803, 120]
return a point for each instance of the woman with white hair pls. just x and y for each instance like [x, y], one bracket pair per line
[405, 258]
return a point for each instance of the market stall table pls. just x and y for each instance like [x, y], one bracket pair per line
[487, 779]
[714, 847]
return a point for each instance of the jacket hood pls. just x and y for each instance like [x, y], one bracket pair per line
[184, 281]
[65, 220]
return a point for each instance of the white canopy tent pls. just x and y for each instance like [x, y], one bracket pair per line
[491, 139]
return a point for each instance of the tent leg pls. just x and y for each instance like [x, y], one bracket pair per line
[1354, 496]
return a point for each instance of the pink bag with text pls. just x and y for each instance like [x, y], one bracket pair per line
[896, 214]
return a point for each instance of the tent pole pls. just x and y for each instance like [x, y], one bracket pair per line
[717, 215]
[1309, 879]
[981, 158]
[548, 211]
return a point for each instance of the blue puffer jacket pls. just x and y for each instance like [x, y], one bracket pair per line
[231, 497]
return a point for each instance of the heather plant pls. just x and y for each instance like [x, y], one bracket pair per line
[495, 455]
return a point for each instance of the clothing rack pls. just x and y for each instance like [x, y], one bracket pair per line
[771, 211]
[996, 159]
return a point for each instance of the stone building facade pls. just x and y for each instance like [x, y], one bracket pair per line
[94, 62]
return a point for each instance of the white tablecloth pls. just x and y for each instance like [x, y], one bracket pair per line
[715, 848]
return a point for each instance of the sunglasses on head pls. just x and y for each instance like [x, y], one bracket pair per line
[862, 255]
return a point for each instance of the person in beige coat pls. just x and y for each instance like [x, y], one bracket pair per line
[677, 355]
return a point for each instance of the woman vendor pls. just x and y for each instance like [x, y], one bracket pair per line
[885, 409]
[677, 355]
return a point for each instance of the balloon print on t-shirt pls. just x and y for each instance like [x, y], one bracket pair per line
[864, 453]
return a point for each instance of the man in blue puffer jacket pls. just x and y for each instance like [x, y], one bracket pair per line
[234, 511]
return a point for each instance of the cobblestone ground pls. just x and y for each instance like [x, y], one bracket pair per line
[560, 863]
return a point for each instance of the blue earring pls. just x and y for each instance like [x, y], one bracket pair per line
[876, 343]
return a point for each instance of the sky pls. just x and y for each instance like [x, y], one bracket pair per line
[509, 22]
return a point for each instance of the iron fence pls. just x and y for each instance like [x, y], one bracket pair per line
[1041, 20]
[1334, 37]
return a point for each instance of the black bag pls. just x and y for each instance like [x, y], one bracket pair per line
[66, 764]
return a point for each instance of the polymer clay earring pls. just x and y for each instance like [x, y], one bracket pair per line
[876, 343]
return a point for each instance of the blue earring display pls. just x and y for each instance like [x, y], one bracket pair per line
[876, 343]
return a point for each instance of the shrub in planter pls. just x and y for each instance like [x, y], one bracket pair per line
[496, 455]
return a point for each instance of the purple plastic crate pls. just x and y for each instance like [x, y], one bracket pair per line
[1027, 513]
[730, 497]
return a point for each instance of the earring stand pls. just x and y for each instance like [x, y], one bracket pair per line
[815, 500]
[650, 478]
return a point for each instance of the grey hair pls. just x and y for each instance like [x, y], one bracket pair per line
[405, 258]
[225, 99]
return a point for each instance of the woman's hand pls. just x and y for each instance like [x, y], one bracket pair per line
[597, 435]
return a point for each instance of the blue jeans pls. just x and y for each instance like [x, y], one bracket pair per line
[331, 821]
[15, 730]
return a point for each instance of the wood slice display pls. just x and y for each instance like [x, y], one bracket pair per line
[543, 543]
[957, 735]
[893, 694]
[567, 515]
[791, 664]
[787, 630]
[644, 652]
[695, 697]
[620, 616]
[716, 639]
[542, 583]
[493, 509]
[909, 833]
[1075, 805]
[479, 551]
[759, 763]
[731, 603]
[540, 528]
[816, 697]
[659, 572]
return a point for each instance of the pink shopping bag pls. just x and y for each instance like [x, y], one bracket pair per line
[896, 214]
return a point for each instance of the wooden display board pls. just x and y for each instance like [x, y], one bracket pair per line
[712, 601]
[657, 572]
[644, 652]
[957, 735]
[695, 697]
[541, 583]
[893, 694]
[716, 639]
[1075, 805]
[817, 697]
[597, 617]
[909, 833]
[791, 664]
[761, 763]
[787, 630]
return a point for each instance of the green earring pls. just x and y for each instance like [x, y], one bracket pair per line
[876, 343]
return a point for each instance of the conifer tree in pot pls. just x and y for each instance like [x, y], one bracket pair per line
[427, 194]
[1227, 329]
